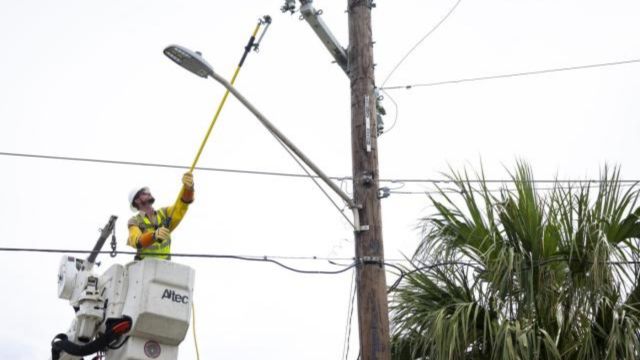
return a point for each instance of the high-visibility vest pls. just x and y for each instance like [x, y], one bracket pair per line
[157, 250]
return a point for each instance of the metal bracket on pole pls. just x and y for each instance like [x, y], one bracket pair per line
[356, 220]
[367, 124]
[371, 260]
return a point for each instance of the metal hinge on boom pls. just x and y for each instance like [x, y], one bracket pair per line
[312, 16]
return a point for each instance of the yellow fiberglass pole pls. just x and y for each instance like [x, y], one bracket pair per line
[247, 49]
[224, 98]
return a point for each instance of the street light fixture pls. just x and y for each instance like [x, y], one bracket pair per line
[196, 64]
[190, 60]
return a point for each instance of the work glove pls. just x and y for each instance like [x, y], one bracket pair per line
[187, 180]
[161, 235]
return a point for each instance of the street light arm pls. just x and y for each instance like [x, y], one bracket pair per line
[285, 140]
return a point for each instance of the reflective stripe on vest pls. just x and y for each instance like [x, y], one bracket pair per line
[156, 250]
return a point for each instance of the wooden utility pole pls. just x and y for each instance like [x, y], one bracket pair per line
[357, 62]
[373, 315]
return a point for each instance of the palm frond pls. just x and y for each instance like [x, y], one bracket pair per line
[553, 275]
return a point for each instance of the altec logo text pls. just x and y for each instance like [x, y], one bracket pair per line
[174, 296]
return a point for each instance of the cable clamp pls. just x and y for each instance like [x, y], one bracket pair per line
[367, 179]
[289, 5]
[371, 260]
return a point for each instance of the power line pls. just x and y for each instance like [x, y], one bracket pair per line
[455, 191]
[396, 112]
[297, 160]
[526, 73]
[352, 297]
[216, 256]
[404, 273]
[292, 175]
[382, 88]
[271, 259]
[280, 257]
[478, 267]
[386, 263]
[433, 29]
[206, 256]
[160, 165]
[253, 172]
[508, 181]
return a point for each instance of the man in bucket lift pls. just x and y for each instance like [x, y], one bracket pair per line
[150, 230]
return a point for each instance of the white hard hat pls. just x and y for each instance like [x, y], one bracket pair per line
[132, 196]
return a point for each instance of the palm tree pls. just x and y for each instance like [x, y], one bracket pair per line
[524, 273]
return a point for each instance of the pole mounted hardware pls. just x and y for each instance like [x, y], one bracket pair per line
[384, 192]
[289, 5]
[371, 260]
[367, 179]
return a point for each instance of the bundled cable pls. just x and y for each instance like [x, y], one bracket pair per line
[115, 328]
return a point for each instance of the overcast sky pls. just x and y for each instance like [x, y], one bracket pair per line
[88, 79]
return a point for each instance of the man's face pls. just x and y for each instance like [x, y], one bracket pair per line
[144, 199]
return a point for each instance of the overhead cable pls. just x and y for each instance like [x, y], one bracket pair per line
[456, 191]
[352, 297]
[149, 164]
[278, 257]
[382, 88]
[402, 273]
[396, 112]
[297, 160]
[512, 75]
[293, 175]
[433, 29]
[206, 256]
[508, 181]
[479, 267]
